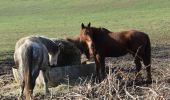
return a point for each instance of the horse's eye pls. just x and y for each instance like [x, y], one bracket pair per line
[92, 46]
[87, 32]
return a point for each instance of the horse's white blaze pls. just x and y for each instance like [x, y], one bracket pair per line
[54, 58]
[89, 43]
[50, 58]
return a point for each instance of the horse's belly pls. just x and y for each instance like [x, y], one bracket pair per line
[113, 53]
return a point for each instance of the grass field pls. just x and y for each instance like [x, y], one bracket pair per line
[62, 18]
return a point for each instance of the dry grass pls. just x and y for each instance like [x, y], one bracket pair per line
[114, 88]
[118, 85]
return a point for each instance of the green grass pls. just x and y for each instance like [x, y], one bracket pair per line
[62, 18]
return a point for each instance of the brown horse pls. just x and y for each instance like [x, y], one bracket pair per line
[104, 43]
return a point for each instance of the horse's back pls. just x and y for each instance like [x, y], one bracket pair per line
[120, 43]
[130, 36]
[40, 53]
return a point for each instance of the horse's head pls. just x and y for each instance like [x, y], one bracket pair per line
[86, 36]
[53, 57]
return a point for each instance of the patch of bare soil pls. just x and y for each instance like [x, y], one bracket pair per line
[119, 84]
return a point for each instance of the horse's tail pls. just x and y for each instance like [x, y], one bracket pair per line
[27, 71]
[148, 51]
[147, 60]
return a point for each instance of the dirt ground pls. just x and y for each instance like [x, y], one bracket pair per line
[160, 73]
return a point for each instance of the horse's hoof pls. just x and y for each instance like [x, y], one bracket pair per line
[47, 92]
[148, 81]
[21, 97]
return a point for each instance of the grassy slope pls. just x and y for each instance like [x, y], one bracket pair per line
[62, 18]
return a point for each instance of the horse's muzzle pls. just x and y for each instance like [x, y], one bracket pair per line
[53, 66]
[91, 57]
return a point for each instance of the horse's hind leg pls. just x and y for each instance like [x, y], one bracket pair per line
[147, 63]
[138, 67]
[21, 83]
[44, 73]
[35, 73]
[139, 51]
[138, 64]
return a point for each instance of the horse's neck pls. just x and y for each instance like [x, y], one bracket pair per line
[80, 45]
[97, 33]
[50, 45]
[76, 40]
[101, 32]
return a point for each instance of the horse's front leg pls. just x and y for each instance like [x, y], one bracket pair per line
[99, 67]
[102, 60]
[44, 73]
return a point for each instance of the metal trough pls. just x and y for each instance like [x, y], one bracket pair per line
[57, 75]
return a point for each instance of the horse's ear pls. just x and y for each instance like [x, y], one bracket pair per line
[89, 24]
[82, 25]
[61, 45]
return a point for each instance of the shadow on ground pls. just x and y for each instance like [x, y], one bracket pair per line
[6, 62]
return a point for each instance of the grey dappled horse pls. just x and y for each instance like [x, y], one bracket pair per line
[32, 54]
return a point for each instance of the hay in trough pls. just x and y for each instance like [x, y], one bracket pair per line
[70, 54]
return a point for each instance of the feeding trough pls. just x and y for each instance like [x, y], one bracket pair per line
[69, 66]
[57, 75]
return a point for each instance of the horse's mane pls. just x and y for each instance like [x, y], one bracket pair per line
[101, 29]
[104, 30]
